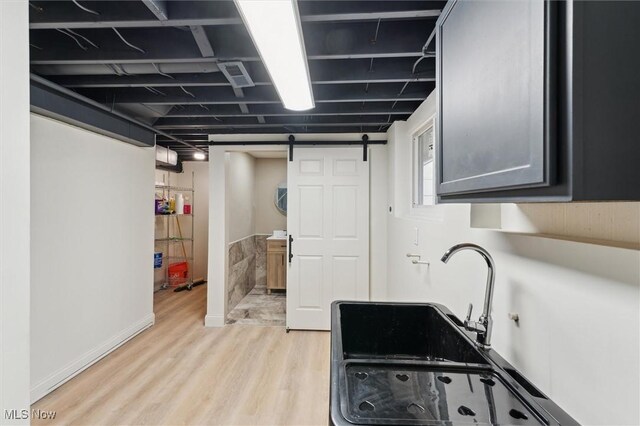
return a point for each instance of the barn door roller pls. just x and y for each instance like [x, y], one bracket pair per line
[292, 139]
[365, 147]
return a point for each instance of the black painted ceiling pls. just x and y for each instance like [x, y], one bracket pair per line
[155, 60]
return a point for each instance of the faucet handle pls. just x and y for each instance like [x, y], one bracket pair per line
[468, 319]
[478, 327]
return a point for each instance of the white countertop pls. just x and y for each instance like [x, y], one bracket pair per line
[273, 237]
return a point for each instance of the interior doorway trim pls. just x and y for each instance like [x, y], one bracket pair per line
[218, 262]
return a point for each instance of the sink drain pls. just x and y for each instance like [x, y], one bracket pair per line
[402, 377]
[366, 406]
[445, 379]
[518, 414]
[466, 411]
[361, 375]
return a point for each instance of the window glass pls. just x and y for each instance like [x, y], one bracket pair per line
[423, 194]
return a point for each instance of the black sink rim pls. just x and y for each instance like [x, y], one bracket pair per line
[441, 310]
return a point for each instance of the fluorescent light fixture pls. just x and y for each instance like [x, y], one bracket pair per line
[199, 156]
[274, 26]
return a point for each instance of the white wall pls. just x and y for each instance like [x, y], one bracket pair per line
[14, 209]
[378, 208]
[269, 172]
[92, 248]
[578, 338]
[241, 196]
[218, 238]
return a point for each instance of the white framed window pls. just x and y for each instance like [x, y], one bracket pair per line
[423, 166]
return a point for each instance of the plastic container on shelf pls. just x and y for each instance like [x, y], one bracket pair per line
[187, 205]
[159, 206]
[179, 209]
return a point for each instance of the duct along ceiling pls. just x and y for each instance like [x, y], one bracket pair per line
[191, 69]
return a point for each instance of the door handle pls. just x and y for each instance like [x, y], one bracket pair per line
[290, 248]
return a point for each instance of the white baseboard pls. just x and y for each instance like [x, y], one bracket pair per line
[86, 360]
[214, 321]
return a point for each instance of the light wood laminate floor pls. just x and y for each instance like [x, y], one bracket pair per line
[179, 372]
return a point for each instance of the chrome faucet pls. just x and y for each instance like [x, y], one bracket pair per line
[483, 326]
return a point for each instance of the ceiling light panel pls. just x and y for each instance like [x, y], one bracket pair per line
[274, 26]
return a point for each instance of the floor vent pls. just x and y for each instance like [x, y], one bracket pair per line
[236, 73]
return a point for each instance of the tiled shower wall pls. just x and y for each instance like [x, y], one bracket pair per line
[247, 267]
[261, 260]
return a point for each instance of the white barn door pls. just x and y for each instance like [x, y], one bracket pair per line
[328, 221]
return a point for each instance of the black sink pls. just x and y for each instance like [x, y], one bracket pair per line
[417, 332]
[414, 364]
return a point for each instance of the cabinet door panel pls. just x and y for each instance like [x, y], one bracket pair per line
[282, 275]
[276, 270]
[493, 78]
[273, 267]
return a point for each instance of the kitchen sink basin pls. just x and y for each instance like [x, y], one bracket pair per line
[415, 364]
[417, 332]
[410, 394]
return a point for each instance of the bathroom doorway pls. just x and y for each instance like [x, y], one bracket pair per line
[256, 225]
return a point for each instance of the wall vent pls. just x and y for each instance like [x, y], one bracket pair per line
[236, 73]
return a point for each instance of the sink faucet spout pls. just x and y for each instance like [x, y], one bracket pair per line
[483, 326]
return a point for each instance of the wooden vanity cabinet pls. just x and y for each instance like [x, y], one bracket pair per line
[276, 265]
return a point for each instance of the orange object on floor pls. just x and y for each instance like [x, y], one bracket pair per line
[178, 273]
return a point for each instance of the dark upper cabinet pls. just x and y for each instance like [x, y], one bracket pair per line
[538, 101]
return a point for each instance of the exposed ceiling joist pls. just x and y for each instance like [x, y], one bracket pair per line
[271, 110]
[236, 122]
[154, 6]
[198, 142]
[372, 16]
[341, 72]
[158, 8]
[394, 39]
[199, 138]
[141, 80]
[336, 128]
[200, 36]
[122, 70]
[356, 54]
[214, 127]
[262, 94]
[239, 93]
